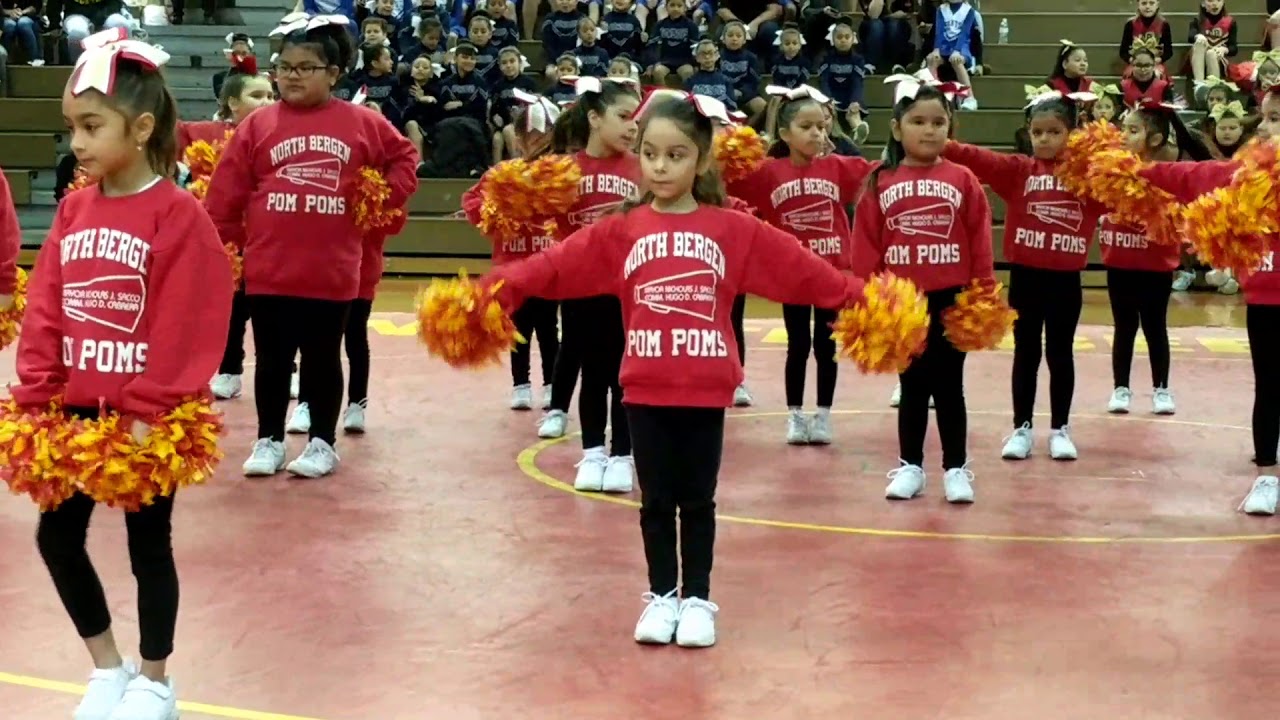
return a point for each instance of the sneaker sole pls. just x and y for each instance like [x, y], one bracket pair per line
[353, 430]
[256, 473]
[695, 646]
[1118, 411]
[308, 476]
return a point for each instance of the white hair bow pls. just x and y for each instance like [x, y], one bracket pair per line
[708, 107]
[1078, 97]
[908, 86]
[294, 22]
[96, 67]
[244, 38]
[588, 84]
[540, 113]
[797, 93]
[777, 40]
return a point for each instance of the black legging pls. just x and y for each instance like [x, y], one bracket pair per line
[738, 315]
[677, 457]
[536, 317]
[1140, 298]
[313, 330]
[600, 402]
[573, 333]
[937, 373]
[233, 355]
[356, 341]
[1263, 324]
[61, 536]
[799, 342]
[1048, 301]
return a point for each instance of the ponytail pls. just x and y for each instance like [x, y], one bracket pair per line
[573, 128]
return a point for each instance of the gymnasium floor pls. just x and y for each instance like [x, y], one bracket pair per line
[448, 572]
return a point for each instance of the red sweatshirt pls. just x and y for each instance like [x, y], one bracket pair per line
[283, 189]
[677, 277]
[210, 131]
[1045, 226]
[507, 250]
[128, 304]
[1188, 180]
[931, 225]
[10, 239]
[371, 262]
[605, 184]
[1126, 248]
[808, 201]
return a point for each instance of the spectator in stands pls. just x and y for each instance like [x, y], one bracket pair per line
[885, 33]
[671, 44]
[503, 101]
[954, 27]
[592, 59]
[1071, 70]
[504, 29]
[86, 17]
[419, 105]
[791, 70]
[761, 17]
[1107, 107]
[1213, 38]
[378, 79]
[842, 72]
[22, 25]
[345, 8]
[560, 32]
[480, 37]
[742, 67]
[1217, 91]
[375, 31]
[429, 43]
[1148, 29]
[239, 52]
[1143, 83]
[562, 93]
[465, 93]
[623, 30]
[707, 79]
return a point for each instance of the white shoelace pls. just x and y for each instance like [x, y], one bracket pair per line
[964, 472]
[1026, 428]
[894, 473]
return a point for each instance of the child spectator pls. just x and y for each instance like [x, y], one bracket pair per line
[1107, 107]
[592, 59]
[428, 43]
[1071, 70]
[742, 67]
[239, 52]
[22, 26]
[707, 79]
[671, 44]
[502, 98]
[953, 29]
[561, 89]
[1143, 83]
[375, 31]
[843, 70]
[815, 20]
[791, 70]
[623, 67]
[419, 104]
[1216, 91]
[560, 32]
[1147, 29]
[378, 78]
[394, 18]
[885, 33]
[505, 32]
[465, 93]
[480, 37]
[1213, 37]
[623, 31]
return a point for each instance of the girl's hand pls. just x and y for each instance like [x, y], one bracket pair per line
[427, 99]
[415, 91]
[453, 105]
[140, 431]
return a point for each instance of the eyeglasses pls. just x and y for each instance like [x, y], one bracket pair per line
[298, 71]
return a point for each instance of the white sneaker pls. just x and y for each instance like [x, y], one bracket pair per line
[546, 398]
[742, 396]
[1261, 499]
[1230, 287]
[225, 387]
[1018, 445]
[295, 386]
[905, 482]
[895, 399]
[522, 397]
[300, 421]
[1060, 445]
[696, 626]
[590, 477]
[657, 624]
[318, 459]
[1162, 402]
[1121, 397]
[619, 475]
[266, 459]
[353, 418]
[104, 692]
[797, 428]
[1182, 280]
[1216, 278]
[969, 103]
[553, 424]
[957, 485]
[146, 699]
[820, 427]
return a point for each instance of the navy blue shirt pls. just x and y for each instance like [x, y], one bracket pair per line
[743, 70]
[791, 73]
[593, 59]
[621, 34]
[560, 34]
[471, 91]
[841, 76]
[672, 42]
[712, 83]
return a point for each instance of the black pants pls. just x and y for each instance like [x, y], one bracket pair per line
[233, 355]
[1140, 298]
[61, 537]
[1263, 323]
[738, 315]
[937, 373]
[600, 402]
[574, 332]
[799, 341]
[677, 457]
[536, 317]
[312, 330]
[1047, 301]
[356, 341]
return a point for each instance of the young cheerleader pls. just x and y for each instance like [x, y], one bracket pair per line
[154, 244]
[1047, 232]
[285, 179]
[680, 368]
[533, 123]
[1071, 70]
[928, 220]
[1148, 29]
[1143, 82]
[10, 244]
[1213, 41]
[804, 192]
[1140, 274]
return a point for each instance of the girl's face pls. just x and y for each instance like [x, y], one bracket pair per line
[1268, 74]
[1144, 67]
[842, 39]
[923, 130]
[806, 134]
[509, 64]
[735, 37]
[1135, 134]
[1048, 135]
[790, 44]
[621, 6]
[669, 160]
[479, 32]
[619, 69]
[616, 127]
[566, 6]
[304, 78]
[707, 56]
[1269, 122]
[373, 35]
[1076, 63]
[466, 64]
[1104, 109]
[1216, 97]
[431, 40]
[421, 70]
[1213, 7]
[256, 94]
[1227, 131]
[1148, 8]
[104, 142]
[566, 68]
[384, 63]
[675, 9]
[496, 8]
[587, 32]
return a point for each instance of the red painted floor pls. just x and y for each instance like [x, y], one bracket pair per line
[432, 578]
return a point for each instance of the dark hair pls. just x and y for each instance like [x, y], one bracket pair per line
[1063, 108]
[1133, 55]
[1167, 124]
[789, 27]
[370, 53]
[428, 24]
[846, 22]
[1064, 52]
[518, 125]
[232, 87]
[707, 188]
[239, 38]
[787, 109]
[375, 20]
[140, 90]
[330, 43]
[573, 129]
[894, 152]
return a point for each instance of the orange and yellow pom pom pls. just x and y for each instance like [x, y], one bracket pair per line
[371, 195]
[1231, 227]
[201, 157]
[461, 322]
[81, 180]
[739, 150]
[11, 317]
[885, 330]
[1073, 165]
[1114, 182]
[237, 262]
[522, 192]
[33, 454]
[980, 318]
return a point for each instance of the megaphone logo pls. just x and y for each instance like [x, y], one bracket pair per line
[586, 216]
[932, 221]
[1063, 213]
[817, 217]
[116, 301]
[692, 293]
[324, 174]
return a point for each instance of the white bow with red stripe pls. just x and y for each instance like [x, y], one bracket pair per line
[908, 86]
[540, 113]
[294, 22]
[588, 84]
[708, 107]
[797, 93]
[1077, 97]
[96, 67]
